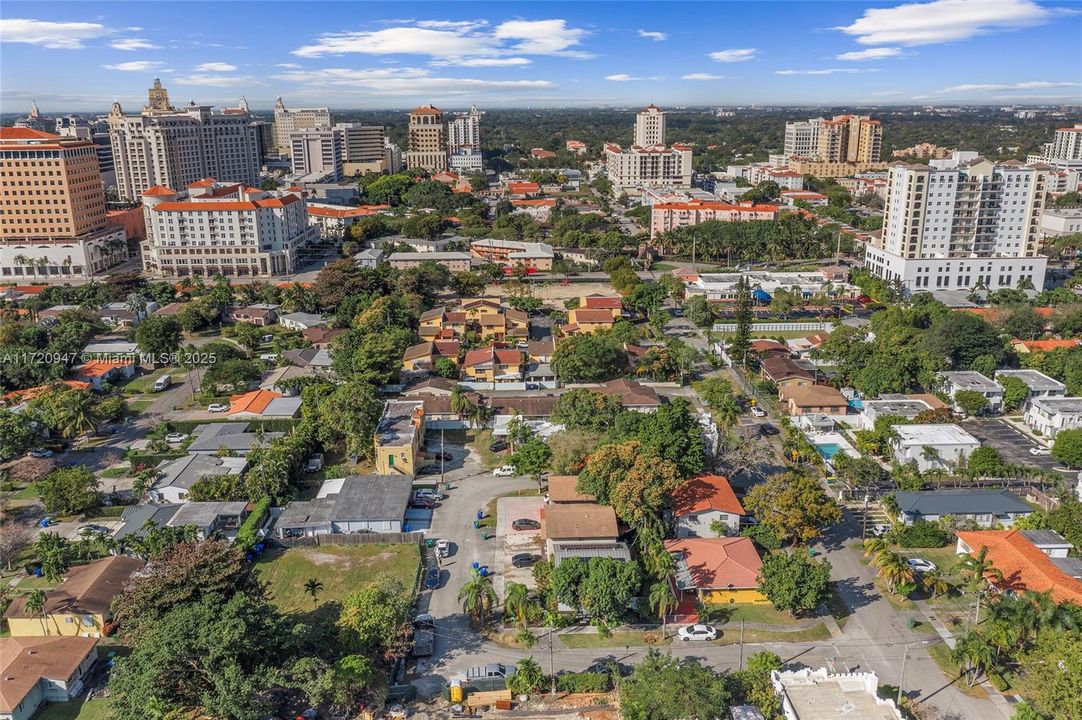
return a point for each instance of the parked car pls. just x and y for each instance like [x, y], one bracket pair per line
[40, 453]
[443, 548]
[921, 565]
[524, 560]
[428, 493]
[1039, 451]
[432, 577]
[429, 470]
[424, 502]
[492, 670]
[163, 382]
[269, 357]
[88, 530]
[267, 338]
[176, 437]
[525, 524]
[768, 429]
[498, 446]
[504, 471]
[217, 407]
[879, 530]
[758, 411]
[697, 631]
[445, 456]
[315, 463]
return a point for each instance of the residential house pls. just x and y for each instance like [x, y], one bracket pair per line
[1024, 347]
[511, 253]
[951, 382]
[504, 326]
[110, 350]
[1039, 384]
[493, 365]
[537, 208]
[1049, 415]
[703, 501]
[890, 406]
[176, 477]
[716, 570]
[423, 355]
[575, 523]
[398, 438]
[37, 670]
[522, 189]
[765, 348]
[120, 315]
[633, 395]
[261, 314]
[301, 320]
[981, 507]
[263, 404]
[584, 550]
[354, 504]
[317, 359]
[1034, 560]
[932, 446]
[603, 302]
[540, 351]
[210, 518]
[321, 337]
[438, 323]
[455, 262]
[97, 372]
[808, 694]
[232, 437]
[80, 605]
[585, 321]
[806, 399]
[564, 489]
[785, 372]
[369, 257]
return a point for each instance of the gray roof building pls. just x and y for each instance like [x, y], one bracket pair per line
[984, 506]
[359, 503]
[1037, 382]
[184, 472]
[233, 436]
[135, 518]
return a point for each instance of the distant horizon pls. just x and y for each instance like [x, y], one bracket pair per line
[879, 53]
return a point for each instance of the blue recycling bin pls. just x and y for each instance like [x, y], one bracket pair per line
[480, 514]
[476, 566]
[483, 571]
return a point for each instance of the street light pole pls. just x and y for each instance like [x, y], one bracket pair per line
[901, 681]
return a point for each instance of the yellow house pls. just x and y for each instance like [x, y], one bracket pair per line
[717, 571]
[583, 321]
[439, 324]
[80, 605]
[399, 435]
[493, 365]
[614, 305]
[423, 355]
[476, 307]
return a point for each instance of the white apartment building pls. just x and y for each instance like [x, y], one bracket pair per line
[318, 152]
[464, 132]
[631, 169]
[362, 148]
[1049, 415]
[650, 127]
[1061, 222]
[166, 146]
[956, 224]
[954, 381]
[392, 156]
[233, 230]
[932, 446]
[802, 137]
[287, 122]
[1065, 150]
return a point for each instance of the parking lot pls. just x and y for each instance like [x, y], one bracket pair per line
[1013, 445]
[516, 542]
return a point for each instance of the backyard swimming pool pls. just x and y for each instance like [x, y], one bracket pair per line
[829, 450]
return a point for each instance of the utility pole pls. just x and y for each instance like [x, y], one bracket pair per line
[552, 670]
[901, 681]
[864, 519]
[741, 667]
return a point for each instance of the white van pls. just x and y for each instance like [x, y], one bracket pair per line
[163, 382]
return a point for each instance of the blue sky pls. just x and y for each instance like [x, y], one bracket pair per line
[82, 55]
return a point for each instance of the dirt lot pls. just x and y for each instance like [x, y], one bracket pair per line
[550, 292]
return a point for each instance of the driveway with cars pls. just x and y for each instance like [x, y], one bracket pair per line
[516, 542]
[1012, 444]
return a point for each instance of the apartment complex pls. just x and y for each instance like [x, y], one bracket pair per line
[648, 165]
[427, 149]
[166, 146]
[52, 208]
[464, 142]
[650, 127]
[668, 216]
[1065, 150]
[98, 132]
[317, 154]
[363, 148]
[230, 229]
[287, 122]
[957, 223]
[802, 137]
[850, 138]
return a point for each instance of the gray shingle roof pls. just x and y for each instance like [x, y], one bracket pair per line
[961, 502]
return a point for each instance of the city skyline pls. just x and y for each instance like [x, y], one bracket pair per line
[85, 55]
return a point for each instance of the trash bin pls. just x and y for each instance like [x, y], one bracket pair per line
[483, 571]
[447, 487]
[476, 524]
[480, 514]
[484, 534]
[456, 691]
[430, 542]
[475, 565]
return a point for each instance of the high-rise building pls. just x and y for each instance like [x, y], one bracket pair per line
[427, 149]
[287, 122]
[317, 152]
[52, 208]
[392, 156]
[363, 148]
[1065, 150]
[164, 145]
[959, 223]
[850, 138]
[264, 139]
[464, 142]
[230, 229]
[650, 127]
[98, 132]
[802, 137]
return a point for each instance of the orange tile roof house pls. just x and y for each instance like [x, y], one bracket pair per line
[717, 570]
[564, 489]
[263, 403]
[810, 399]
[567, 523]
[96, 372]
[1034, 346]
[36, 670]
[1029, 560]
[702, 501]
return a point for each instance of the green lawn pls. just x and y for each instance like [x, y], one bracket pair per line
[98, 709]
[144, 383]
[941, 655]
[140, 405]
[731, 636]
[478, 441]
[341, 568]
[115, 473]
[616, 639]
[27, 493]
[766, 614]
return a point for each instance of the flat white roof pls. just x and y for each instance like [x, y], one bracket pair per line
[1059, 405]
[970, 380]
[938, 434]
[1034, 380]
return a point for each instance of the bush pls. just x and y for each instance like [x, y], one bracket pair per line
[246, 535]
[584, 682]
[998, 681]
[921, 534]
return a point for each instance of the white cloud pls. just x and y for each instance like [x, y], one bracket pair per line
[225, 81]
[215, 67]
[870, 54]
[133, 44]
[733, 55]
[887, 93]
[701, 76]
[653, 35]
[987, 87]
[826, 71]
[135, 66]
[484, 62]
[404, 81]
[447, 40]
[942, 21]
[622, 77]
[52, 35]
[291, 66]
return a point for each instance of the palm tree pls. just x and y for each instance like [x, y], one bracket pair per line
[75, 412]
[478, 597]
[516, 601]
[893, 569]
[313, 587]
[663, 601]
[935, 583]
[35, 605]
[460, 402]
[874, 548]
[975, 569]
[975, 653]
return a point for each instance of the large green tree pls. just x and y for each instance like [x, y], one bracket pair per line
[793, 505]
[69, 490]
[594, 357]
[158, 335]
[794, 582]
[663, 687]
[374, 616]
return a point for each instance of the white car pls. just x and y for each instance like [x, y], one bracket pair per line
[758, 412]
[217, 407]
[697, 632]
[503, 471]
[1039, 451]
[921, 565]
[40, 453]
[879, 530]
[176, 437]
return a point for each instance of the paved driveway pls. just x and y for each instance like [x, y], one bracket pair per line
[1012, 444]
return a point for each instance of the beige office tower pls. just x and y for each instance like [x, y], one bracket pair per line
[850, 138]
[427, 148]
[363, 146]
[287, 122]
[650, 127]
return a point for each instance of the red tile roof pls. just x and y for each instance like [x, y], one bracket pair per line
[704, 493]
[426, 110]
[709, 205]
[205, 182]
[225, 205]
[1045, 345]
[255, 401]
[160, 190]
[98, 368]
[717, 563]
[590, 315]
[535, 202]
[1023, 564]
[595, 302]
[14, 133]
[359, 211]
[30, 393]
[564, 489]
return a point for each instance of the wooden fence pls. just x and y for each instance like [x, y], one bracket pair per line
[350, 539]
